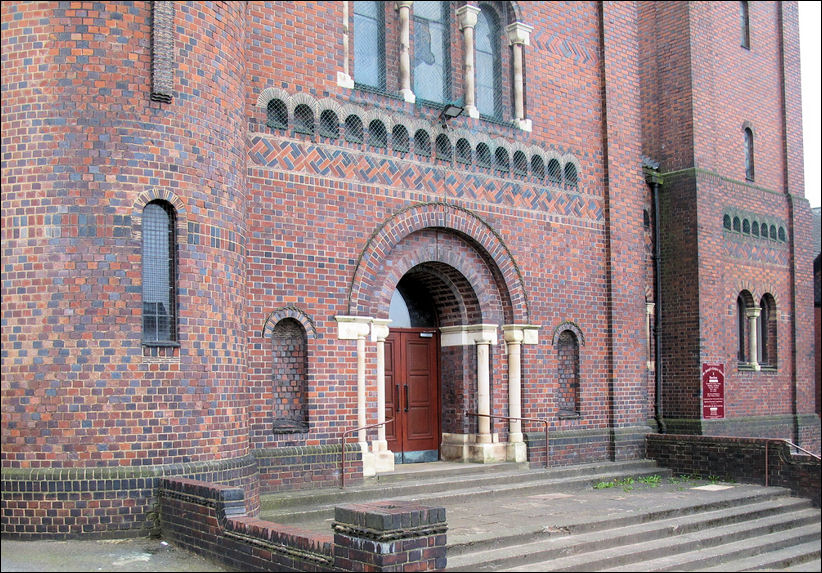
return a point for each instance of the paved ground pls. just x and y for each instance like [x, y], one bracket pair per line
[482, 516]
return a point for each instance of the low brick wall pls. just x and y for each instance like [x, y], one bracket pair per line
[738, 459]
[305, 467]
[211, 520]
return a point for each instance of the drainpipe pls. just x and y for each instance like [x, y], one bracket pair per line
[655, 180]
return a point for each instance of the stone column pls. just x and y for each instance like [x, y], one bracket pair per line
[344, 78]
[519, 35]
[468, 19]
[384, 456]
[357, 328]
[752, 312]
[483, 389]
[405, 54]
[515, 336]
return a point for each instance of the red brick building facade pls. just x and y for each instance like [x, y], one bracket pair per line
[233, 231]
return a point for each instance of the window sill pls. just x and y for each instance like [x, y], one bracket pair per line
[568, 415]
[162, 343]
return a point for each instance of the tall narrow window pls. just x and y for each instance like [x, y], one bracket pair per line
[159, 273]
[740, 328]
[745, 24]
[568, 374]
[369, 44]
[749, 154]
[432, 64]
[766, 330]
[487, 63]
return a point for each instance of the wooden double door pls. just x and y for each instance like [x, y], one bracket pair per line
[412, 394]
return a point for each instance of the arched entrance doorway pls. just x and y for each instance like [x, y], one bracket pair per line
[430, 295]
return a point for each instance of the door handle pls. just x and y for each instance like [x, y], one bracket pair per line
[406, 397]
[397, 400]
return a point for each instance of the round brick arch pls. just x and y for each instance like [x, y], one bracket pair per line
[372, 277]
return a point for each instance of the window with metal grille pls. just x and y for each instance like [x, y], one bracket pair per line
[520, 163]
[737, 225]
[399, 139]
[329, 124]
[277, 114]
[763, 229]
[304, 119]
[746, 227]
[554, 172]
[487, 63]
[159, 273]
[369, 44]
[570, 176]
[782, 236]
[483, 155]
[377, 134]
[503, 163]
[463, 151]
[773, 232]
[538, 167]
[741, 321]
[444, 151]
[726, 222]
[754, 226]
[432, 62]
[353, 129]
[422, 143]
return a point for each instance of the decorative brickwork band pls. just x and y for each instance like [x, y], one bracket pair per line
[162, 52]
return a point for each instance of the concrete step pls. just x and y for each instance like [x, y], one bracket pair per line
[694, 550]
[580, 539]
[799, 557]
[439, 485]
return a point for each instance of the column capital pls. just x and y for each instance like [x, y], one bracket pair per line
[467, 15]
[401, 5]
[523, 333]
[468, 334]
[649, 308]
[379, 329]
[353, 327]
[519, 33]
[752, 311]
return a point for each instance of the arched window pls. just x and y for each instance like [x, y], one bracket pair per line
[432, 62]
[444, 151]
[745, 25]
[538, 167]
[463, 151]
[746, 227]
[487, 63]
[369, 44]
[726, 222]
[399, 139]
[570, 176]
[749, 154]
[554, 172]
[766, 331]
[377, 134]
[568, 374]
[329, 124]
[741, 323]
[289, 377]
[737, 225]
[773, 232]
[277, 114]
[304, 119]
[422, 143]
[159, 260]
[520, 163]
[782, 236]
[353, 129]
[503, 163]
[755, 229]
[483, 155]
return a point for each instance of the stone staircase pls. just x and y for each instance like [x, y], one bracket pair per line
[506, 517]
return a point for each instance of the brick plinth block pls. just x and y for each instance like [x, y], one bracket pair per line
[389, 536]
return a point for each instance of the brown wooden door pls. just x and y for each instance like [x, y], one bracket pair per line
[412, 394]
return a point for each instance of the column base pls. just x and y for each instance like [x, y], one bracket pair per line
[524, 124]
[408, 96]
[369, 461]
[383, 457]
[472, 111]
[465, 448]
[516, 452]
[344, 80]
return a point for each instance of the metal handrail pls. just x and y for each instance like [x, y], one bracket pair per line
[342, 447]
[540, 420]
[769, 440]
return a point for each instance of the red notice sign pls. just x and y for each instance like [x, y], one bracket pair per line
[713, 391]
